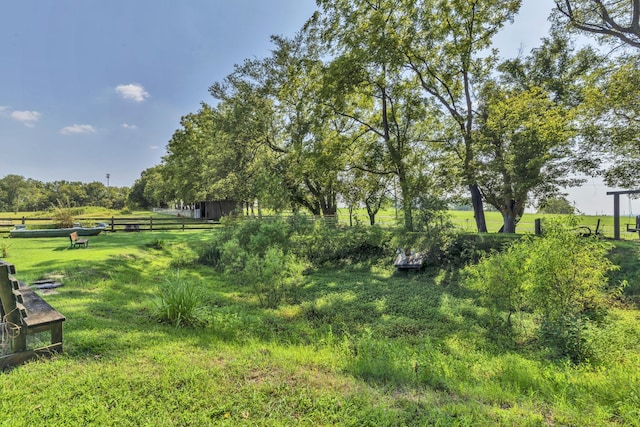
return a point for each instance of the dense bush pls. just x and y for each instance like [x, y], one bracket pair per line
[327, 243]
[270, 256]
[317, 242]
[445, 248]
[274, 277]
[460, 250]
[561, 278]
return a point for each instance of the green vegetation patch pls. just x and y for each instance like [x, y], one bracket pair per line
[353, 343]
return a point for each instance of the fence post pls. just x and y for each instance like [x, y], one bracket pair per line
[150, 223]
[538, 226]
[182, 223]
[112, 225]
[23, 220]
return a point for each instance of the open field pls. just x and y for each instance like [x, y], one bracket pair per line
[362, 345]
[462, 220]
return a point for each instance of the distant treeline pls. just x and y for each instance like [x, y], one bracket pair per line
[25, 194]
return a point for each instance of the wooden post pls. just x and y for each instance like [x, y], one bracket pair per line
[538, 226]
[182, 223]
[616, 209]
[112, 225]
[23, 220]
[11, 313]
[150, 223]
[56, 334]
[616, 216]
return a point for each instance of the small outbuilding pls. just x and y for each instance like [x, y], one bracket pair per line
[214, 210]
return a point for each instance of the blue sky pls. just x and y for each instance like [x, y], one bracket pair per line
[95, 87]
[91, 87]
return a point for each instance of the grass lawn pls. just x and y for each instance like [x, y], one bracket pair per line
[362, 346]
[463, 220]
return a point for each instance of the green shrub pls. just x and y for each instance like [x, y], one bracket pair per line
[274, 277]
[228, 251]
[319, 243]
[330, 244]
[500, 277]
[178, 304]
[561, 277]
[567, 281]
[63, 218]
[271, 233]
[300, 224]
[233, 257]
[244, 230]
[465, 249]
[210, 255]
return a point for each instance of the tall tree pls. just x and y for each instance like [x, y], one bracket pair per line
[66, 193]
[611, 112]
[367, 84]
[611, 121]
[524, 145]
[305, 153]
[446, 45]
[528, 125]
[12, 192]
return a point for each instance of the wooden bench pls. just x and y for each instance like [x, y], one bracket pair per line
[24, 312]
[408, 260]
[76, 242]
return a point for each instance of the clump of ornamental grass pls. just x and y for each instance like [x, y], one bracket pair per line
[179, 303]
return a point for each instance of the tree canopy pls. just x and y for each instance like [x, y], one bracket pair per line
[371, 96]
[609, 19]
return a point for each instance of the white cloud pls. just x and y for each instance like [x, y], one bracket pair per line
[28, 118]
[132, 91]
[153, 147]
[128, 126]
[75, 129]
[4, 109]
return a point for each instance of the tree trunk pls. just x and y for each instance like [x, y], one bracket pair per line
[328, 205]
[350, 215]
[406, 200]
[511, 211]
[372, 211]
[509, 222]
[406, 206]
[478, 208]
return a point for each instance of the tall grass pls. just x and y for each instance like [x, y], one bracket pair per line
[178, 303]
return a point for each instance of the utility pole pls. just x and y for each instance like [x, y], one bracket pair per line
[108, 176]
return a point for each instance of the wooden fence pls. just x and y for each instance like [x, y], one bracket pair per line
[115, 224]
[155, 223]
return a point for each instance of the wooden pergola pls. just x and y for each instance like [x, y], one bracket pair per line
[616, 209]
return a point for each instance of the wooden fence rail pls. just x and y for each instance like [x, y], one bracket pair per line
[115, 224]
[156, 223]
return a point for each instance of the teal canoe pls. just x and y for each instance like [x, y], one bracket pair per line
[22, 231]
